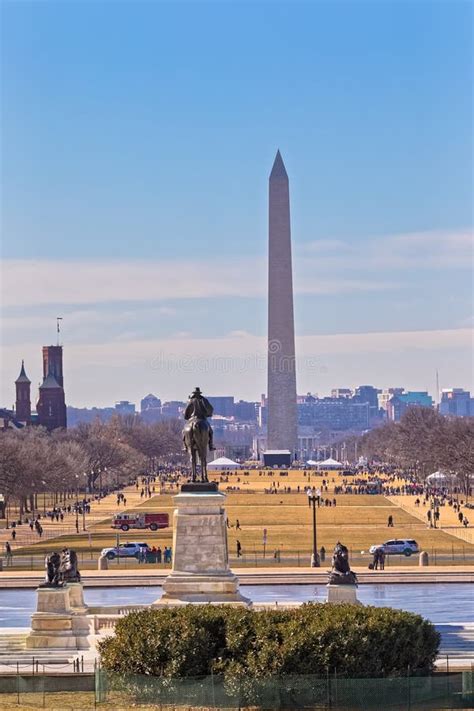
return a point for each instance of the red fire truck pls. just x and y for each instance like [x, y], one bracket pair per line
[153, 521]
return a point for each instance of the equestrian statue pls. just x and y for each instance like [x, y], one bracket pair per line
[197, 433]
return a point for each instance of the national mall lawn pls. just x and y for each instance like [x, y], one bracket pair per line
[358, 520]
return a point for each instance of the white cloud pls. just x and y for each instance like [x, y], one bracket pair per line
[420, 250]
[68, 283]
[319, 269]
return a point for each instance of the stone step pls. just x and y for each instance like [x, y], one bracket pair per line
[9, 646]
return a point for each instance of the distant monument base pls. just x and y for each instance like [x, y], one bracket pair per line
[60, 621]
[343, 594]
[201, 572]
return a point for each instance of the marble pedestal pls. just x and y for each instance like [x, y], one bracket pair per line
[343, 594]
[201, 572]
[60, 621]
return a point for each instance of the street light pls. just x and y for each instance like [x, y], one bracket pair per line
[84, 503]
[77, 503]
[314, 499]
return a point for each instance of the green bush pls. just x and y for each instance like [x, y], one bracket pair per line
[241, 644]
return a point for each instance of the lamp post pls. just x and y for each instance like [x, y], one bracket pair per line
[314, 499]
[84, 502]
[77, 503]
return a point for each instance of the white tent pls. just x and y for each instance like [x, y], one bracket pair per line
[223, 463]
[330, 464]
[440, 477]
[311, 463]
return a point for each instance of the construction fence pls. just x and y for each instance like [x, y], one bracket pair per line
[289, 692]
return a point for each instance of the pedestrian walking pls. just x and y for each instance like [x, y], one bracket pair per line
[239, 549]
[237, 525]
[390, 521]
[8, 553]
[13, 534]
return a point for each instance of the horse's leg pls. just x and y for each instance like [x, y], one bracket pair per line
[203, 455]
[193, 463]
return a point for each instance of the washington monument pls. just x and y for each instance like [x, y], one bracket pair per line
[281, 420]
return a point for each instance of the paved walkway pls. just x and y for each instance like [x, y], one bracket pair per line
[448, 521]
[100, 511]
[254, 576]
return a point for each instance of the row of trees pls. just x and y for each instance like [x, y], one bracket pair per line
[424, 441]
[33, 461]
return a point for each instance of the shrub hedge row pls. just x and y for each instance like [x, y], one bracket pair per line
[353, 641]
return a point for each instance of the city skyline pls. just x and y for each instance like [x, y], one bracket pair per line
[118, 167]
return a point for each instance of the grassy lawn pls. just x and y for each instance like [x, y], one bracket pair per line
[70, 701]
[357, 520]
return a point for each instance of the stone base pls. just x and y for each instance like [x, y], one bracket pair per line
[201, 572]
[182, 588]
[55, 600]
[60, 621]
[343, 594]
[51, 631]
[76, 598]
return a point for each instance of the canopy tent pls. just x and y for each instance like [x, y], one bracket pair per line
[223, 463]
[330, 464]
[311, 463]
[440, 477]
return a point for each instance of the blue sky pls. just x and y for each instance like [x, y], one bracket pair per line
[137, 141]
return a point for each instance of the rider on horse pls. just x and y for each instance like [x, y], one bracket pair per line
[198, 408]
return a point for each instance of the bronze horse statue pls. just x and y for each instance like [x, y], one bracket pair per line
[197, 433]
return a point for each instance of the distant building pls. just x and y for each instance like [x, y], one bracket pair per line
[341, 392]
[223, 405]
[172, 409]
[245, 411]
[150, 402]
[457, 402]
[303, 399]
[78, 415]
[334, 413]
[399, 404]
[8, 420]
[369, 394]
[124, 407]
[385, 396]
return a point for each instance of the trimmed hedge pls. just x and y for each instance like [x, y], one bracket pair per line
[351, 640]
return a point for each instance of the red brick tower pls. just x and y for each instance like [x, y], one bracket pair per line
[53, 363]
[23, 401]
[51, 405]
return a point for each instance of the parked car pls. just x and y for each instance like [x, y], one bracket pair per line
[127, 550]
[399, 546]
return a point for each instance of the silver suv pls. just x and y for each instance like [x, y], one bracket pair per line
[398, 546]
[127, 550]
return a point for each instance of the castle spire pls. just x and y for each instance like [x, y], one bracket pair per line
[23, 378]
